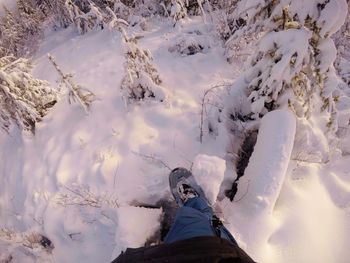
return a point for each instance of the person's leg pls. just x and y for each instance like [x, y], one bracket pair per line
[201, 205]
[191, 220]
[195, 219]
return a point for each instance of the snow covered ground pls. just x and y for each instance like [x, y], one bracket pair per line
[75, 180]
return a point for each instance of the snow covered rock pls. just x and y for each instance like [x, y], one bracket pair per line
[209, 173]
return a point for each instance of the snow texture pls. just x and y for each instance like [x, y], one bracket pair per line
[265, 173]
[131, 230]
[77, 180]
[209, 172]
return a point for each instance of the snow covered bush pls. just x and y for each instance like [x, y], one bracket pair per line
[76, 93]
[342, 42]
[342, 65]
[88, 21]
[87, 18]
[115, 23]
[141, 80]
[55, 11]
[190, 44]
[292, 64]
[24, 99]
[178, 10]
[19, 247]
[121, 10]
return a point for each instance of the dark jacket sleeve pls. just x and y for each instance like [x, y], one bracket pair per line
[198, 249]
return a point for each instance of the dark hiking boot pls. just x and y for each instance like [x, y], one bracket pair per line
[184, 186]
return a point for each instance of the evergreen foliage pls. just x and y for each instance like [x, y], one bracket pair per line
[55, 11]
[141, 80]
[24, 100]
[20, 30]
[76, 93]
[292, 64]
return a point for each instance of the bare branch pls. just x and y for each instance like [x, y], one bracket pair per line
[154, 159]
[208, 91]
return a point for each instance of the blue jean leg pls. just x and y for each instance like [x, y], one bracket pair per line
[193, 220]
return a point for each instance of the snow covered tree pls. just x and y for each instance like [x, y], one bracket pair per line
[141, 80]
[115, 23]
[55, 10]
[292, 64]
[178, 10]
[24, 99]
[30, 20]
[76, 93]
[121, 10]
[288, 64]
[9, 28]
[94, 18]
[342, 42]
[20, 29]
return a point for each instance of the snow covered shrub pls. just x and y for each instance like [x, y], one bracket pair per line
[187, 7]
[115, 23]
[88, 21]
[19, 246]
[178, 10]
[55, 11]
[220, 22]
[24, 99]
[239, 50]
[292, 64]
[342, 42]
[76, 93]
[20, 30]
[190, 44]
[342, 65]
[141, 80]
[95, 18]
[121, 10]
[148, 8]
[133, 11]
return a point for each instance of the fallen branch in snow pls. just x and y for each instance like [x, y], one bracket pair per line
[82, 196]
[306, 157]
[308, 161]
[154, 159]
[30, 239]
[203, 107]
[76, 93]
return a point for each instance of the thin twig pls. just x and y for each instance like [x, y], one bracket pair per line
[153, 158]
[246, 192]
[203, 107]
[115, 175]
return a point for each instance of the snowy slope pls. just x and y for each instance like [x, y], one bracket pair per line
[112, 154]
[75, 179]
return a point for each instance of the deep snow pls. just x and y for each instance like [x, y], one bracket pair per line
[75, 179]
